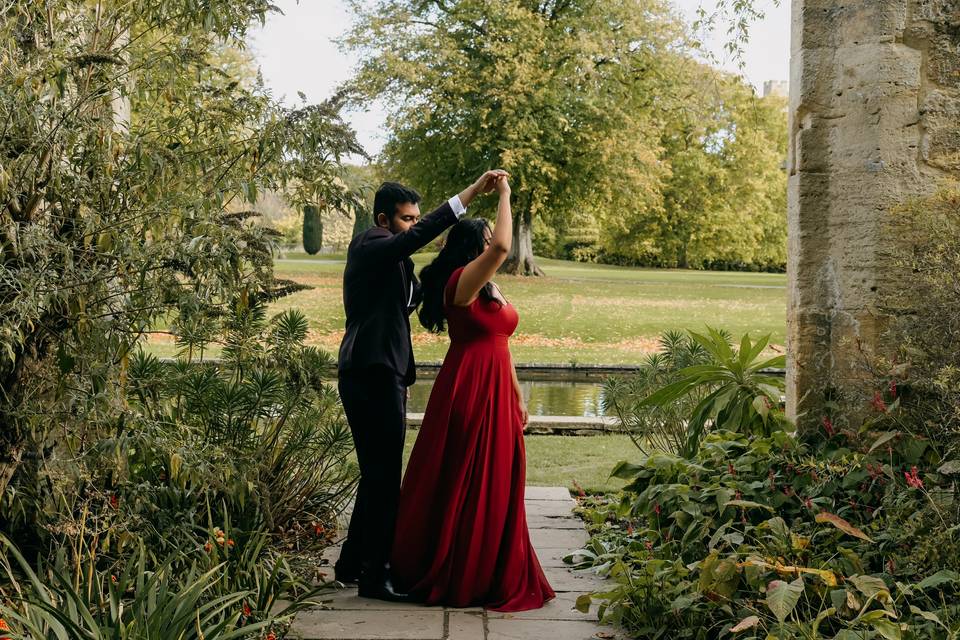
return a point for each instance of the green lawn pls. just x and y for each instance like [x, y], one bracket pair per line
[561, 461]
[577, 313]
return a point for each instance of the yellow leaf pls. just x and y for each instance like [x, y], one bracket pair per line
[843, 525]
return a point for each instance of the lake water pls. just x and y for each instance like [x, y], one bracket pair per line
[543, 397]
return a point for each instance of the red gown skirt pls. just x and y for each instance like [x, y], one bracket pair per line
[461, 537]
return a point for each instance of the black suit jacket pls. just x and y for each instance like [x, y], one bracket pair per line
[376, 295]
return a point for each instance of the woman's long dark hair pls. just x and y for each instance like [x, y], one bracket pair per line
[464, 243]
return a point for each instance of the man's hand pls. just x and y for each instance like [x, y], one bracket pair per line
[484, 184]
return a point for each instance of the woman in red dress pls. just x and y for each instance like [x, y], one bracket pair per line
[461, 537]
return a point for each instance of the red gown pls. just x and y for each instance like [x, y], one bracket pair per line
[461, 537]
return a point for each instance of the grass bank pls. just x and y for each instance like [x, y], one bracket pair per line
[578, 313]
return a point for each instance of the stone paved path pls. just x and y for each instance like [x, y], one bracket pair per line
[554, 531]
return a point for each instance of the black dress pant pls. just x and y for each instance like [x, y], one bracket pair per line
[375, 402]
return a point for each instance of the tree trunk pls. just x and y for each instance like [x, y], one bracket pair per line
[520, 261]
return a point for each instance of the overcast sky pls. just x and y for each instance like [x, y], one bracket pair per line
[296, 52]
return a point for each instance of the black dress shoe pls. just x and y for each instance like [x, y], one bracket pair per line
[382, 589]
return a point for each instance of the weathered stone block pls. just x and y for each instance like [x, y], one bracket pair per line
[944, 12]
[827, 23]
[944, 63]
[940, 145]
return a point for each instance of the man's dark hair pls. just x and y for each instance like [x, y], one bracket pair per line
[389, 195]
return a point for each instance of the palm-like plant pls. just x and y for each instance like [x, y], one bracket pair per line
[734, 392]
[266, 409]
[656, 428]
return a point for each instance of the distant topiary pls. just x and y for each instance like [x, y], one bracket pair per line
[312, 229]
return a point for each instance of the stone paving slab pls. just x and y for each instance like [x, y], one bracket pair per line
[423, 624]
[566, 539]
[548, 493]
[554, 533]
[560, 608]
[465, 626]
[548, 522]
[507, 629]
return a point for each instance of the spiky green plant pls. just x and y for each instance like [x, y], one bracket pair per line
[656, 428]
[735, 394]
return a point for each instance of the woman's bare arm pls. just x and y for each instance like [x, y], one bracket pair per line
[516, 387]
[479, 272]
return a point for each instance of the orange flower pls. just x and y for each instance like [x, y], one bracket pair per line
[3, 625]
[207, 547]
[271, 636]
[230, 542]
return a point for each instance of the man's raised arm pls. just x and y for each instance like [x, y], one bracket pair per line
[384, 246]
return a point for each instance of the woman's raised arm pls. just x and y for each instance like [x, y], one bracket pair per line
[480, 271]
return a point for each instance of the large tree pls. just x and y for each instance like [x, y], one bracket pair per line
[724, 197]
[131, 151]
[559, 92]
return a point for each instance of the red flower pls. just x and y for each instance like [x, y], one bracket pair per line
[878, 402]
[893, 388]
[246, 610]
[271, 636]
[114, 501]
[828, 426]
[3, 625]
[318, 530]
[913, 478]
[656, 508]
[113, 578]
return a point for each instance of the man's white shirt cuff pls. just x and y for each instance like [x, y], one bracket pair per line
[457, 206]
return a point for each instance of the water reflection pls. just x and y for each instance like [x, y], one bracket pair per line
[544, 398]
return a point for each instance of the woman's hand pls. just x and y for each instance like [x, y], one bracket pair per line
[524, 413]
[502, 185]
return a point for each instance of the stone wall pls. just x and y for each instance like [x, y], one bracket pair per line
[874, 121]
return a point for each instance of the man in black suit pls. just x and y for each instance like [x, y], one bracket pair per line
[376, 366]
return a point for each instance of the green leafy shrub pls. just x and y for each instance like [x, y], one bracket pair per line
[700, 383]
[656, 427]
[265, 412]
[924, 322]
[146, 599]
[794, 541]
[749, 529]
